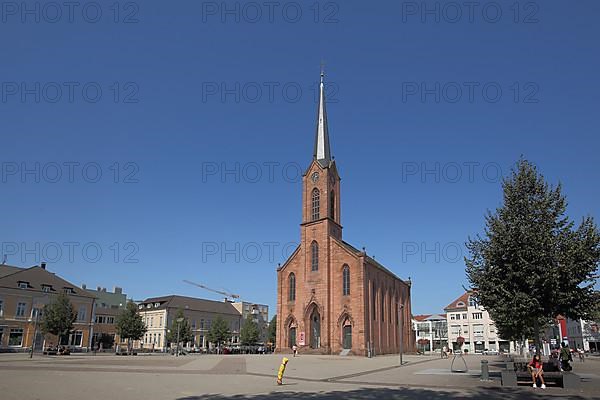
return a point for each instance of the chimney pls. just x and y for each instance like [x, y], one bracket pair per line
[43, 265]
[83, 286]
[118, 290]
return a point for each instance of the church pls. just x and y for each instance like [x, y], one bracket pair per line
[331, 297]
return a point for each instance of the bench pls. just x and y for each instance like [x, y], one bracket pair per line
[516, 372]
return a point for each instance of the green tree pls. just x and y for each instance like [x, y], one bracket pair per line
[531, 264]
[129, 325]
[219, 332]
[249, 333]
[58, 317]
[185, 330]
[273, 330]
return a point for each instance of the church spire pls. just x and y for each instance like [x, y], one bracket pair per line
[322, 152]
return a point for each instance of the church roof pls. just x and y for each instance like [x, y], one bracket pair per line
[322, 152]
[369, 259]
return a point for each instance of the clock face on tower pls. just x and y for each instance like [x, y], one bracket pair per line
[314, 177]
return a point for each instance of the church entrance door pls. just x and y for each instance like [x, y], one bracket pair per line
[315, 329]
[292, 337]
[347, 337]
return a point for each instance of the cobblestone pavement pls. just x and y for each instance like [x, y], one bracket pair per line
[198, 377]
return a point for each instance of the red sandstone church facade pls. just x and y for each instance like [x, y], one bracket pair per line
[331, 296]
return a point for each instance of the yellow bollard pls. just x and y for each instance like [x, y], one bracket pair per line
[281, 371]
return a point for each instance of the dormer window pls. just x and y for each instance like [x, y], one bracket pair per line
[23, 285]
[140, 306]
[46, 288]
[68, 290]
[149, 306]
[156, 305]
[460, 304]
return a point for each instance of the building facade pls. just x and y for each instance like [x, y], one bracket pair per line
[578, 333]
[107, 307]
[471, 321]
[259, 313]
[158, 313]
[23, 294]
[332, 297]
[431, 332]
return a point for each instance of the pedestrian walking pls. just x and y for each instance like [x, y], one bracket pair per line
[295, 350]
[564, 357]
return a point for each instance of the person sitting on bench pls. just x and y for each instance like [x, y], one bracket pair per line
[537, 371]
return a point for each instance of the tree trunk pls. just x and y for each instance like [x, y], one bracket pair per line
[536, 335]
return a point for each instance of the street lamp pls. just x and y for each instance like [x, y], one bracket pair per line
[179, 321]
[401, 317]
[36, 311]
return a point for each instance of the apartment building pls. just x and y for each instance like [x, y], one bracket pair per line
[431, 332]
[23, 294]
[158, 314]
[108, 306]
[467, 319]
[259, 313]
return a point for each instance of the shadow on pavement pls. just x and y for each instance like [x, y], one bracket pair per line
[396, 394]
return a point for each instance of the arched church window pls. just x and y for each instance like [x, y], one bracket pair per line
[346, 280]
[292, 290]
[314, 250]
[316, 200]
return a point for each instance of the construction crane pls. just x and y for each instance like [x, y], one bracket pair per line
[227, 295]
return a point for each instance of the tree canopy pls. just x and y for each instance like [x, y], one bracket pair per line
[219, 331]
[129, 323]
[58, 317]
[273, 330]
[249, 333]
[532, 264]
[185, 330]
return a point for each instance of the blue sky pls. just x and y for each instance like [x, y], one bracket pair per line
[161, 141]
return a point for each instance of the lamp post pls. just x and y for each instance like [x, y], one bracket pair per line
[179, 321]
[36, 311]
[401, 317]
[35, 322]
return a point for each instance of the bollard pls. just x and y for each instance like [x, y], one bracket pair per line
[281, 371]
[485, 372]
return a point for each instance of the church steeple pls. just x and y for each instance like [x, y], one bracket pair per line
[322, 152]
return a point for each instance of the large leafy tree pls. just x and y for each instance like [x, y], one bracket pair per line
[129, 325]
[185, 330]
[58, 317]
[273, 330]
[249, 333]
[532, 264]
[219, 332]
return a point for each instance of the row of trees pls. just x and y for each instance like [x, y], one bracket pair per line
[532, 263]
[59, 316]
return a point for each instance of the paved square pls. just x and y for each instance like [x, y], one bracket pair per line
[253, 377]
